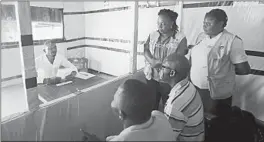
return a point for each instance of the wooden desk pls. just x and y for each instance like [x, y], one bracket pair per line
[52, 92]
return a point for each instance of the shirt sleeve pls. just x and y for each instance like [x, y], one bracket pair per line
[199, 38]
[182, 47]
[68, 64]
[146, 44]
[40, 72]
[180, 36]
[177, 120]
[237, 52]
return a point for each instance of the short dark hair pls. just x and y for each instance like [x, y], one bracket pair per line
[219, 15]
[137, 100]
[179, 63]
[172, 15]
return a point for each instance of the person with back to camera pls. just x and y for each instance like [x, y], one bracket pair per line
[133, 104]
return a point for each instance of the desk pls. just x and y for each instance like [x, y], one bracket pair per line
[52, 92]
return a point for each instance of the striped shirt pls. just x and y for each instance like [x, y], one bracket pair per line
[184, 109]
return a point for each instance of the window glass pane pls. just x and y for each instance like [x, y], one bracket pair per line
[9, 24]
[13, 95]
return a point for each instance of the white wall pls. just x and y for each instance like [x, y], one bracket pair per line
[74, 24]
[113, 25]
[10, 62]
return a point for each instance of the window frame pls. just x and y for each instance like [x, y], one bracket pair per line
[12, 44]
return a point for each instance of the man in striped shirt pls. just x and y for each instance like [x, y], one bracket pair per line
[184, 108]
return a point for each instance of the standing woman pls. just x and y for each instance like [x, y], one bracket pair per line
[216, 59]
[161, 43]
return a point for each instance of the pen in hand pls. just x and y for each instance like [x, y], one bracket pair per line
[89, 137]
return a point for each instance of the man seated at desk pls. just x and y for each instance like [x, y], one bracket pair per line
[48, 64]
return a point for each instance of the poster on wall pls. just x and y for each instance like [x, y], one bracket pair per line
[47, 23]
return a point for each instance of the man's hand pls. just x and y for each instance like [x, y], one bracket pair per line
[57, 80]
[53, 80]
[89, 137]
[71, 76]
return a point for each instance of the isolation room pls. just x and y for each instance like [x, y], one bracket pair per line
[132, 70]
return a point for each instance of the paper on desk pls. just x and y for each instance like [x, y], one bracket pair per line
[84, 75]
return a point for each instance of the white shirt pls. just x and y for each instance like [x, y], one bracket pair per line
[199, 59]
[47, 70]
[157, 128]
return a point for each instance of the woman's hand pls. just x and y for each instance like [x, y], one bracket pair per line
[156, 63]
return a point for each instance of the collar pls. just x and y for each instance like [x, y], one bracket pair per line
[173, 34]
[216, 37]
[46, 58]
[180, 85]
[145, 125]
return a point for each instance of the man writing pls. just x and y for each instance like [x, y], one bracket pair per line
[47, 65]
